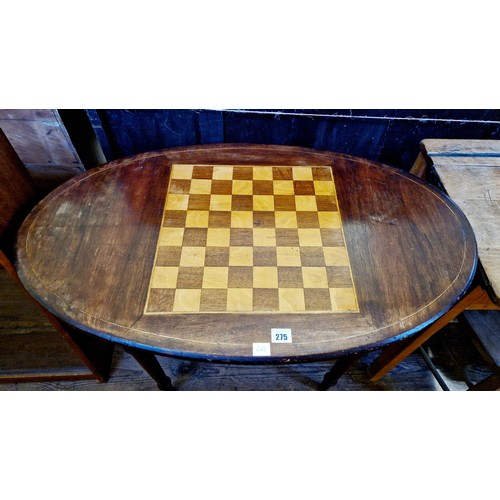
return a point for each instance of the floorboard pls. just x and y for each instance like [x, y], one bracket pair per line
[451, 351]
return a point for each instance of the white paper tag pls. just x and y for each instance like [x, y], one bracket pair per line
[261, 349]
[281, 335]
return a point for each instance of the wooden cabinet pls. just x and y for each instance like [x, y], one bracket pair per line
[41, 140]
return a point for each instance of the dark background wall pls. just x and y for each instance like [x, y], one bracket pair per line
[387, 135]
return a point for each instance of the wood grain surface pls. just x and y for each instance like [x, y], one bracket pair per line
[16, 192]
[468, 171]
[17, 198]
[88, 250]
[476, 190]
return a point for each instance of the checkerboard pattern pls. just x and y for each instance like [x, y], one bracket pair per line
[251, 239]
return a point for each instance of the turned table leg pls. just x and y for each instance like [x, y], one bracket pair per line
[339, 368]
[151, 365]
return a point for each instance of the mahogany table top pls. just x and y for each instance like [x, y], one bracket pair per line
[247, 253]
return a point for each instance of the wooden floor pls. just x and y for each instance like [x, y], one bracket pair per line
[452, 353]
[28, 340]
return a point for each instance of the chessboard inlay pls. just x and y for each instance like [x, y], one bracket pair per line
[251, 239]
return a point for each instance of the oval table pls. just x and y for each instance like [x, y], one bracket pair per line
[247, 254]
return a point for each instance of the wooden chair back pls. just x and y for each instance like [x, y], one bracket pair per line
[17, 198]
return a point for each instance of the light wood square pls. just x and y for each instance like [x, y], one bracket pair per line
[264, 237]
[171, 236]
[240, 299]
[177, 201]
[263, 173]
[215, 277]
[192, 257]
[343, 299]
[326, 188]
[329, 220]
[187, 300]
[222, 172]
[314, 277]
[310, 237]
[242, 219]
[288, 256]
[283, 187]
[164, 277]
[220, 202]
[241, 256]
[302, 174]
[291, 299]
[265, 277]
[336, 256]
[285, 220]
[197, 218]
[263, 202]
[218, 237]
[200, 186]
[242, 187]
[306, 204]
[182, 172]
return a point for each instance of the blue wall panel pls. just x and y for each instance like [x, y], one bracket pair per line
[388, 136]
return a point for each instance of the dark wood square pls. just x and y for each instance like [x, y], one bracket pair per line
[219, 219]
[202, 172]
[303, 188]
[264, 256]
[240, 277]
[242, 202]
[161, 300]
[262, 187]
[174, 218]
[180, 186]
[194, 237]
[265, 299]
[307, 219]
[263, 219]
[217, 256]
[190, 277]
[312, 257]
[243, 173]
[332, 237]
[284, 203]
[339, 277]
[322, 173]
[213, 300]
[326, 203]
[222, 187]
[287, 237]
[241, 237]
[282, 173]
[168, 256]
[199, 202]
[290, 277]
[317, 299]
